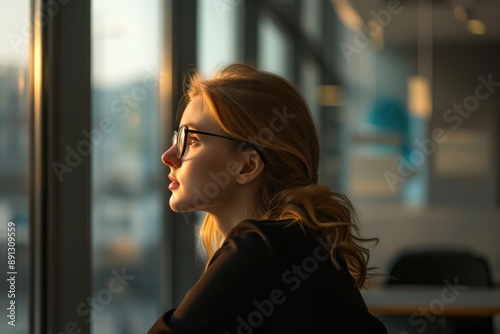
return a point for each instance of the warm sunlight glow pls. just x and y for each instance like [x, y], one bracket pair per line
[419, 97]
[329, 95]
[347, 14]
[377, 40]
[37, 72]
[476, 27]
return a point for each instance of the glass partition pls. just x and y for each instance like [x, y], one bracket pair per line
[126, 191]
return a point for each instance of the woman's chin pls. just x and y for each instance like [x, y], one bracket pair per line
[179, 206]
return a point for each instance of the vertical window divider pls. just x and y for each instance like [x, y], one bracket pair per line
[184, 273]
[60, 279]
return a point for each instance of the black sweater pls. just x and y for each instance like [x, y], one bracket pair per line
[271, 277]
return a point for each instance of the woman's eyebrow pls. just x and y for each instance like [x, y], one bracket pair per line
[190, 126]
[195, 127]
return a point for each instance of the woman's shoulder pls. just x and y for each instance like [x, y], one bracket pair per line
[269, 230]
[246, 243]
[254, 240]
[274, 236]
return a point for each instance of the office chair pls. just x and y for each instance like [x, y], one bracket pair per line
[437, 267]
[399, 324]
[434, 267]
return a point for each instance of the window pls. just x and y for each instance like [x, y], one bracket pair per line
[127, 203]
[218, 30]
[14, 166]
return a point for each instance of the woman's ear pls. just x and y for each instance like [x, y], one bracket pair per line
[251, 169]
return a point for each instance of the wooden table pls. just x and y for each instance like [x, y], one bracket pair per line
[422, 300]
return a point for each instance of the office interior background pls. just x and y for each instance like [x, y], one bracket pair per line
[405, 94]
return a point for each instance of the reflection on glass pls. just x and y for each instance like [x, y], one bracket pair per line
[274, 48]
[14, 140]
[126, 198]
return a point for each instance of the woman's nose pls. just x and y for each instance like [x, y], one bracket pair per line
[170, 159]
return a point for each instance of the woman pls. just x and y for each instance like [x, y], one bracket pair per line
[283, 252]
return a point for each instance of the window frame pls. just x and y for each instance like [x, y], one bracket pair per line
[59, 81]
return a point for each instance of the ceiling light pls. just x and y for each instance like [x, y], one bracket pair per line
[476, 27]
[460, 13]
[419, 97]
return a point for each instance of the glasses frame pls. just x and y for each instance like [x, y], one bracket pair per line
[181, 143]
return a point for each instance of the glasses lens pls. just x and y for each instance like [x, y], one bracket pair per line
[174, 141]
[174, 138]
[181, 141]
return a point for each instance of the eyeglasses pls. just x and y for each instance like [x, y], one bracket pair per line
[179, 139]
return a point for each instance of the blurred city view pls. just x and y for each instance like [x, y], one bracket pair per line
[14, 161]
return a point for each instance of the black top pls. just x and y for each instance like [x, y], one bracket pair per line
[271, 277]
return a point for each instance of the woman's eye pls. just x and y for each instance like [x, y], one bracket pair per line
[192, 140]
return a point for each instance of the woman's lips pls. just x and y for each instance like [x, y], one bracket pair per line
[174, 184]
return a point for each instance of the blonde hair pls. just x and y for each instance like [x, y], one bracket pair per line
[267, 111]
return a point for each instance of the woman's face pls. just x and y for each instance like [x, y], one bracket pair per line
[203, 179]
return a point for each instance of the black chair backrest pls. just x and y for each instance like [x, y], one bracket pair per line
[435, 267]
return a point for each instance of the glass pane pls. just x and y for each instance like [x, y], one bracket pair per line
[126, 193]
[219, 34]
[14, 152]
[275, 48]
